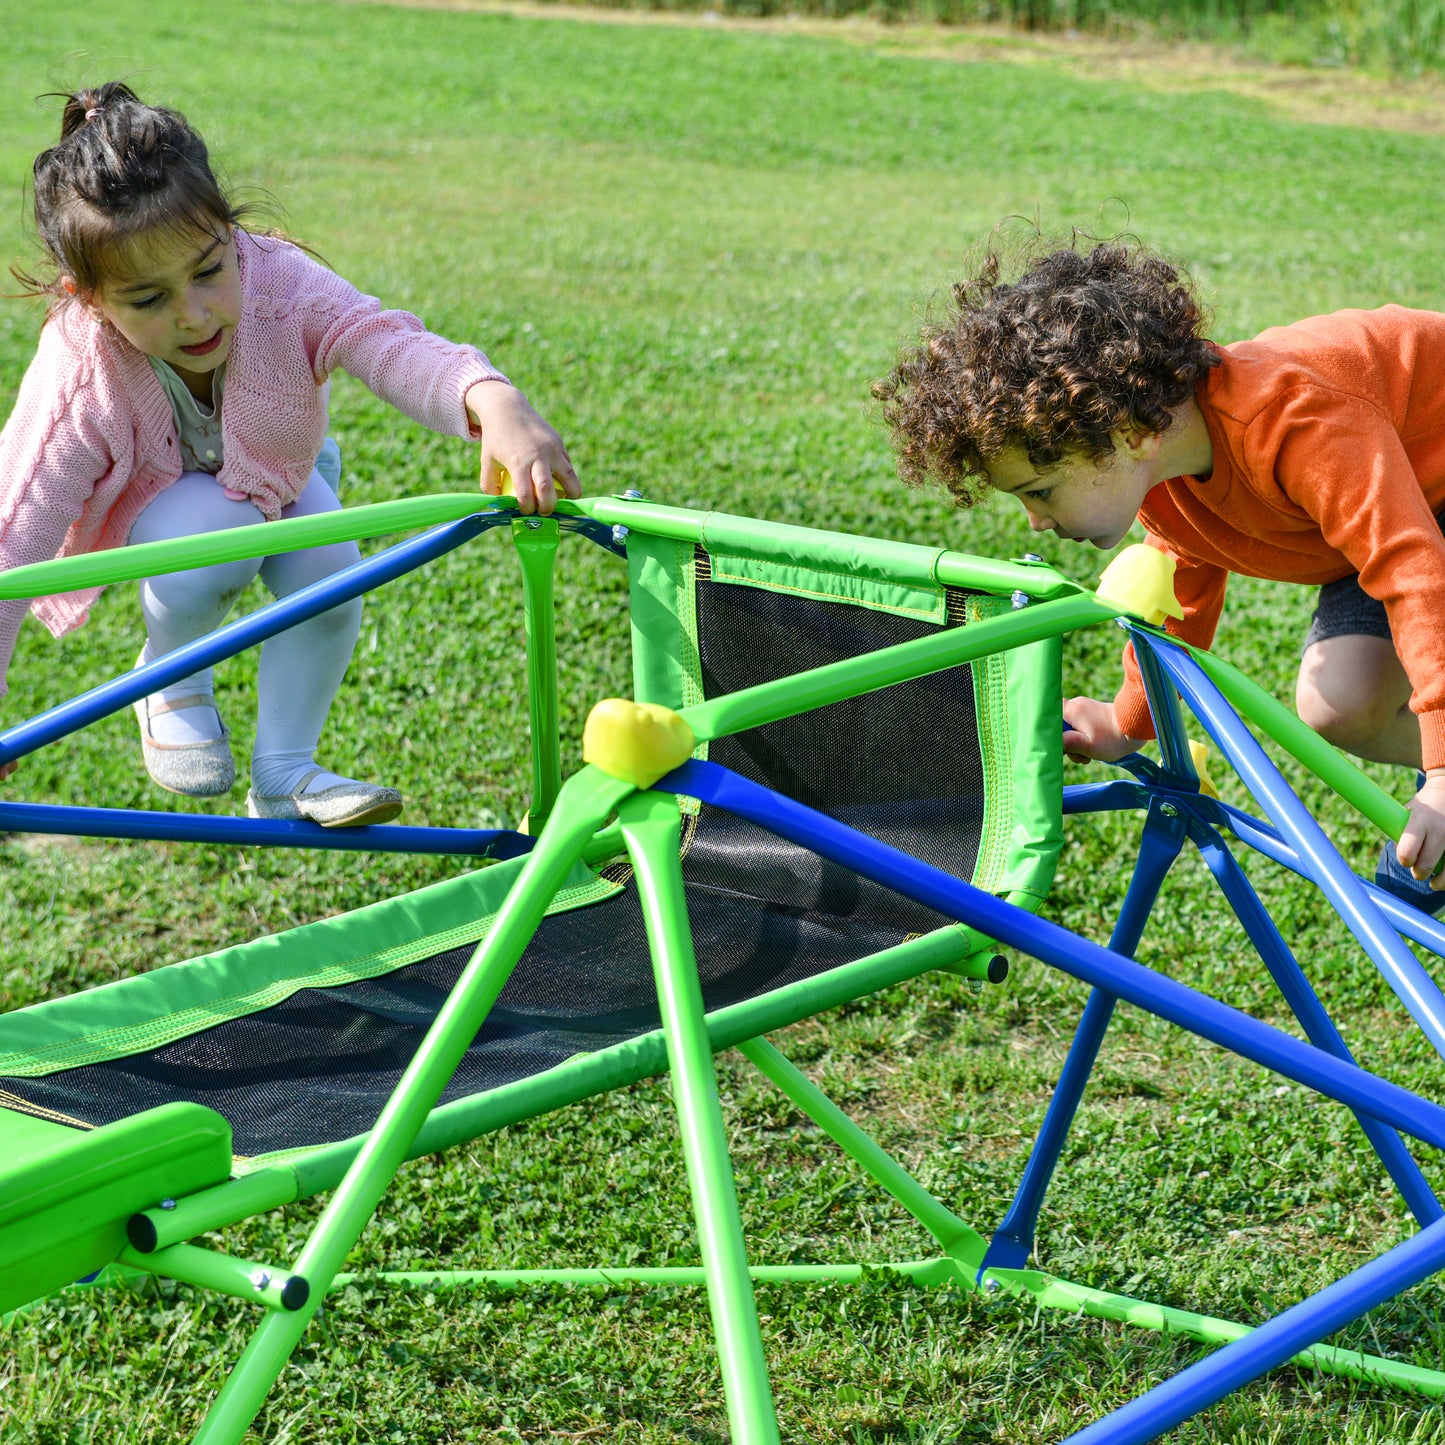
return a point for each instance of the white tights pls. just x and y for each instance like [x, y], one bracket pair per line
[301, 669]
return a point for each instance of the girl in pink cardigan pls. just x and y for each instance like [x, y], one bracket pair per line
[179, 387]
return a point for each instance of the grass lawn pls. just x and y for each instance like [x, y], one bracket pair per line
[694, 246]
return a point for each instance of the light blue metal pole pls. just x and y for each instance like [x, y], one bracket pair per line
[1402, 970]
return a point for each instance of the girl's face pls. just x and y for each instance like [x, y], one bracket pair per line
[176, 296]
[1076, 498]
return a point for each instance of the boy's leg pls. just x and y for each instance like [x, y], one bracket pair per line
[1353, 691]
[301, 670]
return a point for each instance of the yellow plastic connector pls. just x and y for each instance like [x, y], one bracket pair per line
[1141, 581]
[1199, 755]
[637, 742]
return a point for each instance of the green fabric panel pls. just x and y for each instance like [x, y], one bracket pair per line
[1035, 727]
[900, 570]
[665, 666]
[156, 1008]
[849, 582]
[65, 1196]
[1019, 699]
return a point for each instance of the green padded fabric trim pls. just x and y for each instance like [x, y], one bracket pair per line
[924, 600]
[666, 668]
[65, 1195]
[889, 576]
[990, 693]
[156, 1008]
[1035, 702]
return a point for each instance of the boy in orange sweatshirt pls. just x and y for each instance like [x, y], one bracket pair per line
[1314, 453]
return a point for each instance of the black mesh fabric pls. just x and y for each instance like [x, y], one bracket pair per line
[902, 764]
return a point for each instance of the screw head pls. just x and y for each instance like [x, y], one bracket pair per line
[168, 1203]
[1169, 810]
[992, 1286]
[632, 494]
[261, 1279]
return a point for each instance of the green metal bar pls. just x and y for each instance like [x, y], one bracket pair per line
[245, 1279]
[292, 534]
[1047, 1292]
[770, 701]
[927, 1272]
[586, 1075]
[1304, 744]
[953, 1235]
[955, 569]
[536, 539]
[589, 797]
[215, 1208]
[650, 824]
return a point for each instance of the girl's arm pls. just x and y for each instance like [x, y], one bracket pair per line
[448, 387]
[518, 445]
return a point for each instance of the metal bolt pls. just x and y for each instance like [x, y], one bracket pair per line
[532, 522]
[168, 1203]
[632, 494]
[1169, 810]
[1028, 557]
[261, 1279]
[992, 1286]
[619, 535]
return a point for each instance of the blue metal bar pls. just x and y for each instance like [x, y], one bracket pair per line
[258, 832]
[1164, 708]
[1081, 958]
[1344, 891]
[1013, 1240]
[1270, 1344]
[1318, 1026]
[309, 602]
[1115, 796]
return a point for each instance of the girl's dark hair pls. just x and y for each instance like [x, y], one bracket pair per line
[1083, 344]
[121, 168]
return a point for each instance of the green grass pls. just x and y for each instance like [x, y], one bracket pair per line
[694, 248]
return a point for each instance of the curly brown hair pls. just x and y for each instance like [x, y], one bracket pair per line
[1082, 345]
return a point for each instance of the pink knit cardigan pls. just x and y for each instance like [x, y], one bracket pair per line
[92, 437]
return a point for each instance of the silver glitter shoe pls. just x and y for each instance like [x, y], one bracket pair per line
[345, 805]
[198, 770]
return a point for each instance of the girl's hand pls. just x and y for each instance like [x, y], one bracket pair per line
[1092, 731]
[516, 442]
[1422, 844]
[7, 768]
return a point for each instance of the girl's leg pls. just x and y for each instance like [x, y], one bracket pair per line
[182, 606]
[301, 669]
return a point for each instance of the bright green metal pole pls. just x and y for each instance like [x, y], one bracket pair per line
[650, 825]
[583, 805]
[770, 701]
[962, 1243]
[536, 539]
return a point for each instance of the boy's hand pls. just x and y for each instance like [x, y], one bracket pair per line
[1422, 844]
[7, 768]
[517, 442]
[1092, 731]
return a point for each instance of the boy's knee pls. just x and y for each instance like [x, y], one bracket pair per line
[1344, 713]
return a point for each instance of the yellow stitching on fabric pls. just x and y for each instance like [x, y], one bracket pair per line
[24, 1106]
[154, 1033]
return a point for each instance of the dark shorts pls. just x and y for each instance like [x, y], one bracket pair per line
[1345, 609]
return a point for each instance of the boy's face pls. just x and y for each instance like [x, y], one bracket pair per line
[1077, 498]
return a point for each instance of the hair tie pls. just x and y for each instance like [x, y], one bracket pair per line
[92, 112]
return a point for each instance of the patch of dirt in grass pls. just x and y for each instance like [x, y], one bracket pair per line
[1327, 95]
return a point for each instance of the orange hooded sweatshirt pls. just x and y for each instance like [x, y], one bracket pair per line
[1329, 458]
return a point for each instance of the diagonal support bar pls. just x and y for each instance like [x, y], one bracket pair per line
[651, 828]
